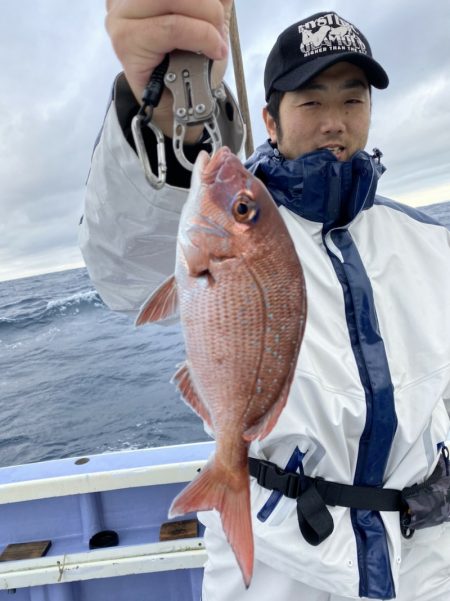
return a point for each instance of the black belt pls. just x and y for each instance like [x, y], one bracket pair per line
[314, 494]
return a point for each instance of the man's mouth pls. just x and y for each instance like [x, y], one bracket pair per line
[338, 151]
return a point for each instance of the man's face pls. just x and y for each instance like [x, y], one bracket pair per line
[332, 111]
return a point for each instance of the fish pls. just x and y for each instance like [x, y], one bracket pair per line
[239, 290]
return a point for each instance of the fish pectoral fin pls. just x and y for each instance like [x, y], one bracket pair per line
[161, 304]
[266, 423]
[183, 381]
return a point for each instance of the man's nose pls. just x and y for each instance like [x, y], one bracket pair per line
[333, 121]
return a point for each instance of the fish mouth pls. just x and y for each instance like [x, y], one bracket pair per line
[213, 167]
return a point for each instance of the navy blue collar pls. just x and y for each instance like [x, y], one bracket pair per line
[316, 185]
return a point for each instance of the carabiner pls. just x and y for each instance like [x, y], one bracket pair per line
[139, 121]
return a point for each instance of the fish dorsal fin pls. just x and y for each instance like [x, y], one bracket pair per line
[183, 381]
[161, 304]
[265, 425]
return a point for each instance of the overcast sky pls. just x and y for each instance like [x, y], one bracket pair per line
[56, 70]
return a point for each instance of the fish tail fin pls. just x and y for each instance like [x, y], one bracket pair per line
[214, 489]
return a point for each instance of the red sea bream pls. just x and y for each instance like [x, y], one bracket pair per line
[240, 291]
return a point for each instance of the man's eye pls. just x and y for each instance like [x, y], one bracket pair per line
[310, 103]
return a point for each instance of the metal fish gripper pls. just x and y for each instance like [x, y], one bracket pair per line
[188, 77]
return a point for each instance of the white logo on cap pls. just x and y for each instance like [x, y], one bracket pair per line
[329, 33]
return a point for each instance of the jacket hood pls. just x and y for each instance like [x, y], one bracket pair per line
[316, 185]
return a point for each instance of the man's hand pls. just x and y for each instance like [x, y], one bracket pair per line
[143, 31]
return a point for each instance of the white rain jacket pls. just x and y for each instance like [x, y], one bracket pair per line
[367, 404]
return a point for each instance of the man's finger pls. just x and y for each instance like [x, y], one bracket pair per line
[166, 33]
[211, 11]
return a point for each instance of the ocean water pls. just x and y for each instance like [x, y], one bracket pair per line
[439, 211]
[78, 379]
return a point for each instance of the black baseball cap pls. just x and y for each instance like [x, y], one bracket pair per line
[309, 46]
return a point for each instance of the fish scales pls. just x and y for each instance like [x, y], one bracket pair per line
[211, 346]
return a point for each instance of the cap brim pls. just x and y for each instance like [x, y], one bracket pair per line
[376, 75]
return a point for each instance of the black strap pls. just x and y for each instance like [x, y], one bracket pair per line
[270, 476]
[314, 519]
[314, 494]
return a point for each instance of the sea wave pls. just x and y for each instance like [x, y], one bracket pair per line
[24, 314]
[86, 297]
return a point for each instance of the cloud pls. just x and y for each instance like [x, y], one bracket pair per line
[414, 138]
[56, 71]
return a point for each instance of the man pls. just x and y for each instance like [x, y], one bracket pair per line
[367, 404]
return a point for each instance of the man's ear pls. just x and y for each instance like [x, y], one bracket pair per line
[271, 126]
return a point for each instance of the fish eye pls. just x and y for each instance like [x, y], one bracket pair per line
[244, 208]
